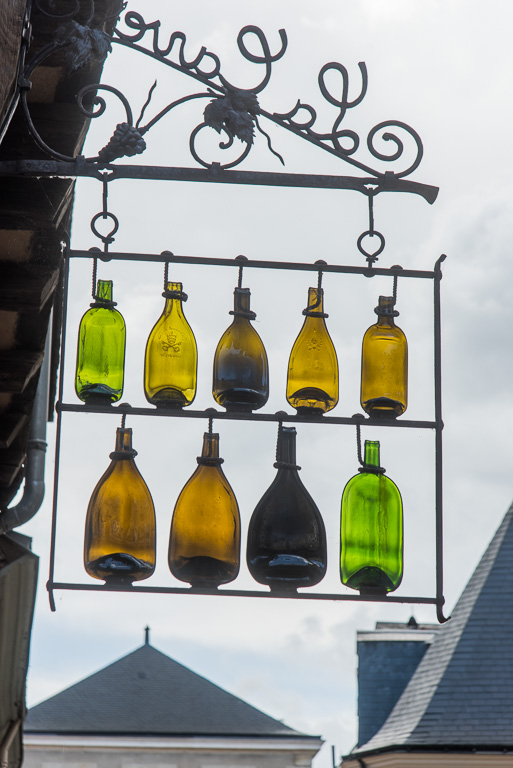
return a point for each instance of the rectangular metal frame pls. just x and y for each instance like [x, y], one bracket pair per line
[436, 425]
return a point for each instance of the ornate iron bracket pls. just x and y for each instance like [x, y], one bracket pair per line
[235, 113]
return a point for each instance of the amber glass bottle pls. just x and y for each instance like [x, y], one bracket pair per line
[286, 536]
[204, 544]
[371, 553]
[101, 350]
[119, 544]
[171, 361]
[241, 370]
[312, 381]
[384, 379]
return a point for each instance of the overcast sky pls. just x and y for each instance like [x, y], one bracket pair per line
[445, 68]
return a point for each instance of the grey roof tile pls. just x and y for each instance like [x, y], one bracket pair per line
[146, 692]
[462, 691]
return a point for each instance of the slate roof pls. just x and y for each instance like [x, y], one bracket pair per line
[148, 693]
[461, 694]
[387, 658]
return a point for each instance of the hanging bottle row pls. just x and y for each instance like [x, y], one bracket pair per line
[240, 380]
[286, 547]
[286, 543]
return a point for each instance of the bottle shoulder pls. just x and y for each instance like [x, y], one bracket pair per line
[240, 333]
[288, 494]
[368, 482]
[102, 316]
[376, 333]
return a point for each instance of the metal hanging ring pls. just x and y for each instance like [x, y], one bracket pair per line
[371, 255]
[109, 237]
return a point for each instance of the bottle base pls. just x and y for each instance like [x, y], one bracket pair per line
[286, 572]
[118, 568]
[241, 400]
[203, 572]
[311, 401]
[371, 580]
[98, 394]
[383, 408]
[169, 398]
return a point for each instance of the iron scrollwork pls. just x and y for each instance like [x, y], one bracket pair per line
[232, 111]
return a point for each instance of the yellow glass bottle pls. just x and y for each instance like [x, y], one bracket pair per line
[119, 544]
[171, 360]
[384, 379]
[241, 370]
[312, 381]
[204, 544]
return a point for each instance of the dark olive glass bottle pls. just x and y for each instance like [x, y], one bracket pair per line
[384, 379]
[312, 380]
[119, 544]
[101, 350]
[241, 370]
[371, 552]
[171, 360]
[204, 544]
[286, 536]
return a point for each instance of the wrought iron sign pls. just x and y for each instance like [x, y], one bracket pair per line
[239, 117]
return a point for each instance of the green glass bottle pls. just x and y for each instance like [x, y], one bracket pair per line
[312, 381]
[384, 379]
[286, 535]
[241, 370]
[171, 360]
[119, 544]
[101, 350]
[371, 553]
[204, 543]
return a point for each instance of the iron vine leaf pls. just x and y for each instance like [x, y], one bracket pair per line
[235, 113]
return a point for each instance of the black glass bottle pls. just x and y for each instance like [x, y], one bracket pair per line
[286, 537]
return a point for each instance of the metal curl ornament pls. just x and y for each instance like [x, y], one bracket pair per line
[222, 145]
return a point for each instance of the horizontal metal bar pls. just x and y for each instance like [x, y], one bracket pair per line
[239, 593]
[212, 413]
[248, 263]
[215, 174]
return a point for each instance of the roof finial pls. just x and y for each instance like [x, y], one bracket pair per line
[146, 635]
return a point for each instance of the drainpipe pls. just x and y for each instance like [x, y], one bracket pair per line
[34, 489]
[6, 744]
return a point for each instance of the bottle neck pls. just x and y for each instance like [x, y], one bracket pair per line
[386, 311]
[286, 449]
[371, 458]
[174, 296]
[210, 451]
[315, 306]
[103, 295]
[241, 304]
[123, 448]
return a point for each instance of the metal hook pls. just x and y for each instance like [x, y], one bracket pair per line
[281, 415]
[394, 294]
[359, 418]
[122, 407]
[105, 194]
[95, 273]
[166, 274]
[240, 259]
[370, 198]
[319, 276]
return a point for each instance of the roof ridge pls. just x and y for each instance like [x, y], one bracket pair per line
[152, 693]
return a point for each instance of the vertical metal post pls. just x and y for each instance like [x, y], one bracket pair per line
[438, 443]
[58, 430]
